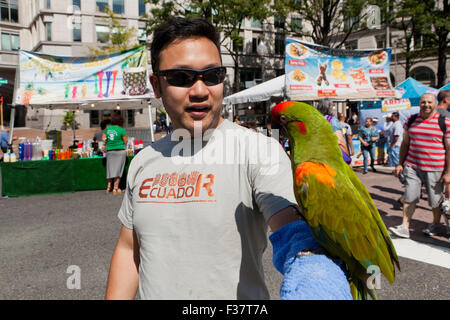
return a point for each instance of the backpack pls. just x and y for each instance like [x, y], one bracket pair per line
[441, 121]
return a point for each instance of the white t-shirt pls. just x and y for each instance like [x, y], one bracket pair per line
[201, 219]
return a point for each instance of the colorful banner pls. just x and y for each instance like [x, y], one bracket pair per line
[314, 72]
[391, 105]
[46, 79]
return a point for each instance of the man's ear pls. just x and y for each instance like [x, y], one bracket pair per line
[156, 85]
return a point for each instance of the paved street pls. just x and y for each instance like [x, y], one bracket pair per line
[42, 236]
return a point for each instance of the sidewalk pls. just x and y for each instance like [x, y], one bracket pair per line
[385, 189]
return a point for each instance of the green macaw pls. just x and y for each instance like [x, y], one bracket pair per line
[333, 201]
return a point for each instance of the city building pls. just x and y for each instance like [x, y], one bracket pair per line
[71, 27]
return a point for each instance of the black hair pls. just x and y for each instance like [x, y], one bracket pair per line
[442, 95]
[103, 125]
[179, 28]
[117, 120]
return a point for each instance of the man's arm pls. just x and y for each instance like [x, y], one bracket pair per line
[123, 276]
[403, 153]
[283, 217]
[446, 176]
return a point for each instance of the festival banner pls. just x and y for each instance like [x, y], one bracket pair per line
[47, 79]
[314, 72]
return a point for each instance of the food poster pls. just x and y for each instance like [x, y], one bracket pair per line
[46, 79]
[314, 72]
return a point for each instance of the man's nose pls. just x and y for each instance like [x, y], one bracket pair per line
[199, 89]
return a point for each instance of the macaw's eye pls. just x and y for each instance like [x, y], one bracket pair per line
[283, 118]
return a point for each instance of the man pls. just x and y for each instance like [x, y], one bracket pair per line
[386, 132]
[395, 139]
[423, 159]
[368, 135]
[347, 131]
[443, 108]
[192, 230]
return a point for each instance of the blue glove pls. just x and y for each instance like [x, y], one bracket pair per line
[307, 277]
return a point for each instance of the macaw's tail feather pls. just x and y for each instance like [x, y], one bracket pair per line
[359, 291]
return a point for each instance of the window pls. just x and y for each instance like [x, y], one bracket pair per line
[381, 41]
[255, 23]
[130, 118]
[9, 10]
[118, 6]
[351, 45]
[101, 5]
[238, 46]
[255, 42]
[76, 32]
[280, 45]
[141, 7]
[48, 31]
[10, 42]
[102, 33]
[142, 36]
[296, 24]
[76, 3]
[279, 23]
[424, 75]
[351, 22]
[248, 77]
[421, 41]
[48, 4]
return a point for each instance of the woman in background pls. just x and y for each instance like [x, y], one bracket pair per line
[115, 138]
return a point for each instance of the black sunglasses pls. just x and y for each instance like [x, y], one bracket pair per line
[185, 77]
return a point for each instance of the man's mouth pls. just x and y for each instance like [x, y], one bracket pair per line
[198, 112]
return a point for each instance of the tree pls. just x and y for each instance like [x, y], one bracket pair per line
[119, 37]
[227, 16]
[411, 18]
[326, 22]
[439, 35]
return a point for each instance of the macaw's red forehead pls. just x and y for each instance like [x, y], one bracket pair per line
[279, 108]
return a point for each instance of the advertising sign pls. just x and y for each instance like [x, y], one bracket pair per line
[47, 79]
[314, 72]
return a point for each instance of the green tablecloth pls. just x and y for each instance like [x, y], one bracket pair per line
[46, 177]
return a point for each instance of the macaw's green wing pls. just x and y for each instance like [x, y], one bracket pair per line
[341, 218]
[368, 199]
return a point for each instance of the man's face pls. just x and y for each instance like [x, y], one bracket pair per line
[196, 103]
[427, 104]
[368, 122]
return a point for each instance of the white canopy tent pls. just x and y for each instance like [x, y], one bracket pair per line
[261, 92]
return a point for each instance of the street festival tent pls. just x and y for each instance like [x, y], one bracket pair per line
[409, 93]
[111, 81]
[446, 87]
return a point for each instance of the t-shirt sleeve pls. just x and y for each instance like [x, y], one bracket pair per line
[349, 130]
[127, 208]
[447, 125]
[272, 180]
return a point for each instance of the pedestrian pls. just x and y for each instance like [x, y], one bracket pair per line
[326, 108]
[4, 139]
[395, 139]
[196, 229]
[386, 132]
[99, 134]
[443, 108]
[381, 142]
[423, 159]
[368, 136]
[347, 131]
[115, 138]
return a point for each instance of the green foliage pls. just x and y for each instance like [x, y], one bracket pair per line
[119, 37]
[331, 21]
[69, 121]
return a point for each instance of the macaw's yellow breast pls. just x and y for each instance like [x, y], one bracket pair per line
[323, 173]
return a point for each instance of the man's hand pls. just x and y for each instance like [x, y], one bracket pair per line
[445, 178]
[398, 170]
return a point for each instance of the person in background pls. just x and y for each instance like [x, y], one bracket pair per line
[423, 163]
[368, 135]
[443, 108]
[396, 138]
[115, 138]
[386, 132]
[4, 139]
[347, 131]
[237, 120]
[99, 134]
[325, 107]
